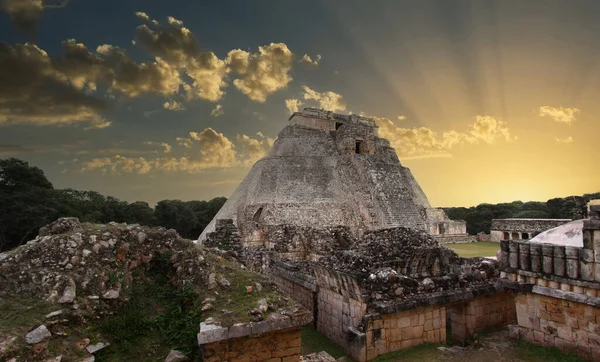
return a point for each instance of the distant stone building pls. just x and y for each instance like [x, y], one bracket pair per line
[331, 170]
[521, 229]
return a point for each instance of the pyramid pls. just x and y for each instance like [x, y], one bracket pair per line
[326, 170]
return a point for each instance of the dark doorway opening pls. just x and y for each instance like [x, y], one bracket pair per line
[506, 236]
[359, 147]
[257, 215]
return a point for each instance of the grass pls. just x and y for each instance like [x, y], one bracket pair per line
[235, 298]
[475, 249]
[422, 352]
[531, 352]
[313, 342]
[19, 315]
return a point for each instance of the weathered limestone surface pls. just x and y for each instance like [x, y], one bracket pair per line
[482, 312]
[392, 332]
[279, 346]
[569, 326]
[328, 169]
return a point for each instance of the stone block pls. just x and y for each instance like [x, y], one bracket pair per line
[210, 333]
[404, 322]
[239, 330]
[428, 326]
[564, 332]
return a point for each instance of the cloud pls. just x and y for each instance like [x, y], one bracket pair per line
[564, 140]
[292, 105]
[254, 148]
[98, 125]
[328, 100]
[178, 47]
[401, 117]
[11, 150]
[559, 114]
[216, 150]
[217, 111]
[166, 147]
[263, 73]
[34, 91]
[422, 142]
[26, 13]
[306, 59]
[184, 142]
[173, 106]
[205, 150]
[488, 129]
[118, 164]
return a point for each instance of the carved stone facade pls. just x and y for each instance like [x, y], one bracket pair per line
[329, 170]
[521, 229]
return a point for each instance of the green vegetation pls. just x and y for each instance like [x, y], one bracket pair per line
[157, 318]
[475, 249]
[20, 314]
[531, 352]
[28, 201]
[492, 344]
[423, 352]
[479, 218]
[313, 342]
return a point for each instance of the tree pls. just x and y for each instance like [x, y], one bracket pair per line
[17, 174]
[26, 202]
[176, 214]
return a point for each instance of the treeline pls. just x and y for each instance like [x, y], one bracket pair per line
[29, 201]
[479, 218]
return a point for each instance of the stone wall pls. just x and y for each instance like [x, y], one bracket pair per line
[299, 293]
[337, 314]
[314, 123]
[550, 322]
[392, 332]
[279, 346]
[518, 229]
[455, 239]
[559, 290]
[481, 313]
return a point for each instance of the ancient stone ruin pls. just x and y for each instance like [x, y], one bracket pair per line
[521, 229]
[558, 289]
[87, 274]
[335, 220]
[331, 170]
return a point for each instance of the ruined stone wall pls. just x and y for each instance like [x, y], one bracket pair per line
[567, 325]
[300, 294]
[559, 290]
[455, 239]
[483, 312]
[396, 331]
[340, 305]
[531, 227]
[279, 346]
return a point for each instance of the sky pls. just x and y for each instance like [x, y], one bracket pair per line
[485, 101]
